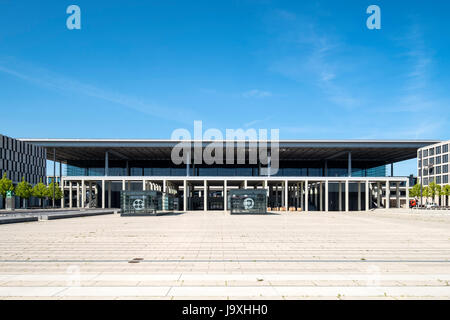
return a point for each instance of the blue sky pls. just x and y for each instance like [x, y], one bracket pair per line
[309, 68]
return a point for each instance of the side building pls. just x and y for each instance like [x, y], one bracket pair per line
[433, 164]
[20, 159]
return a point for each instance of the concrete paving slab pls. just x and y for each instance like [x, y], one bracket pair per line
[216, 255]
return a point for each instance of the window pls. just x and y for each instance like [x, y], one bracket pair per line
[425, 153]
[425, 172]
[431, 161]
[438, 179]
[420, 163]
[445, 179]
[445, 148]
[438, 150]
[425, 162]
[438, 160]
[445, 158]
[136, 171]
[431, 171]
[431, 151]
[445, 168]
[419, 154]
[161, 171]
[425, 181]
[438, 170]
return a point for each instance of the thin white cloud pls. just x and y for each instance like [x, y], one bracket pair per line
[45, 78]
[254, 122]
[317, 60]
[255, 93]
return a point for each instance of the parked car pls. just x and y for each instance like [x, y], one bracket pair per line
[431, 205]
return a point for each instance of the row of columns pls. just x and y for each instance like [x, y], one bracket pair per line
[304, 192]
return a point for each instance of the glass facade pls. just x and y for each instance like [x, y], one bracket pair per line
[223, 171]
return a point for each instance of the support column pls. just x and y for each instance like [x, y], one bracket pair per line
[388, 194]
[340, 196]
[185, 195]
[103, 194]
[397, 194]
[78, 195]
[359, 196]
[143, 185]
[83, 193]
[367, 196]
[70, 195]
[306, 196]
[326, 195]
[225, 195]
[109, 194]
[286, 195]
[297, 197]
[407, 195]
[347, 193]
[61, 186]
[123, 185]
[54, 177]
[205, 195]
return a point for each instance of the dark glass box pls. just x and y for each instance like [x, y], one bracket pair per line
[140, 202]
[248, 201]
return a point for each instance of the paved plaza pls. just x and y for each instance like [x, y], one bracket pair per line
[392, 254]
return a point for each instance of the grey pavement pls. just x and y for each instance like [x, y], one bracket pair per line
[384, 254]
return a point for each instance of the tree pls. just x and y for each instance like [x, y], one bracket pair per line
[446, 192]
[432, 189]
[415, 191]
[58, 192]
[5, 186]
[24, 190]
[40, 191]
[426, 191]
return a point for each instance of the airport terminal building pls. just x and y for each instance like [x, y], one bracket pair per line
[313, 175]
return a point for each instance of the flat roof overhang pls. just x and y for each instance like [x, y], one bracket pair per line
[375, 151]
